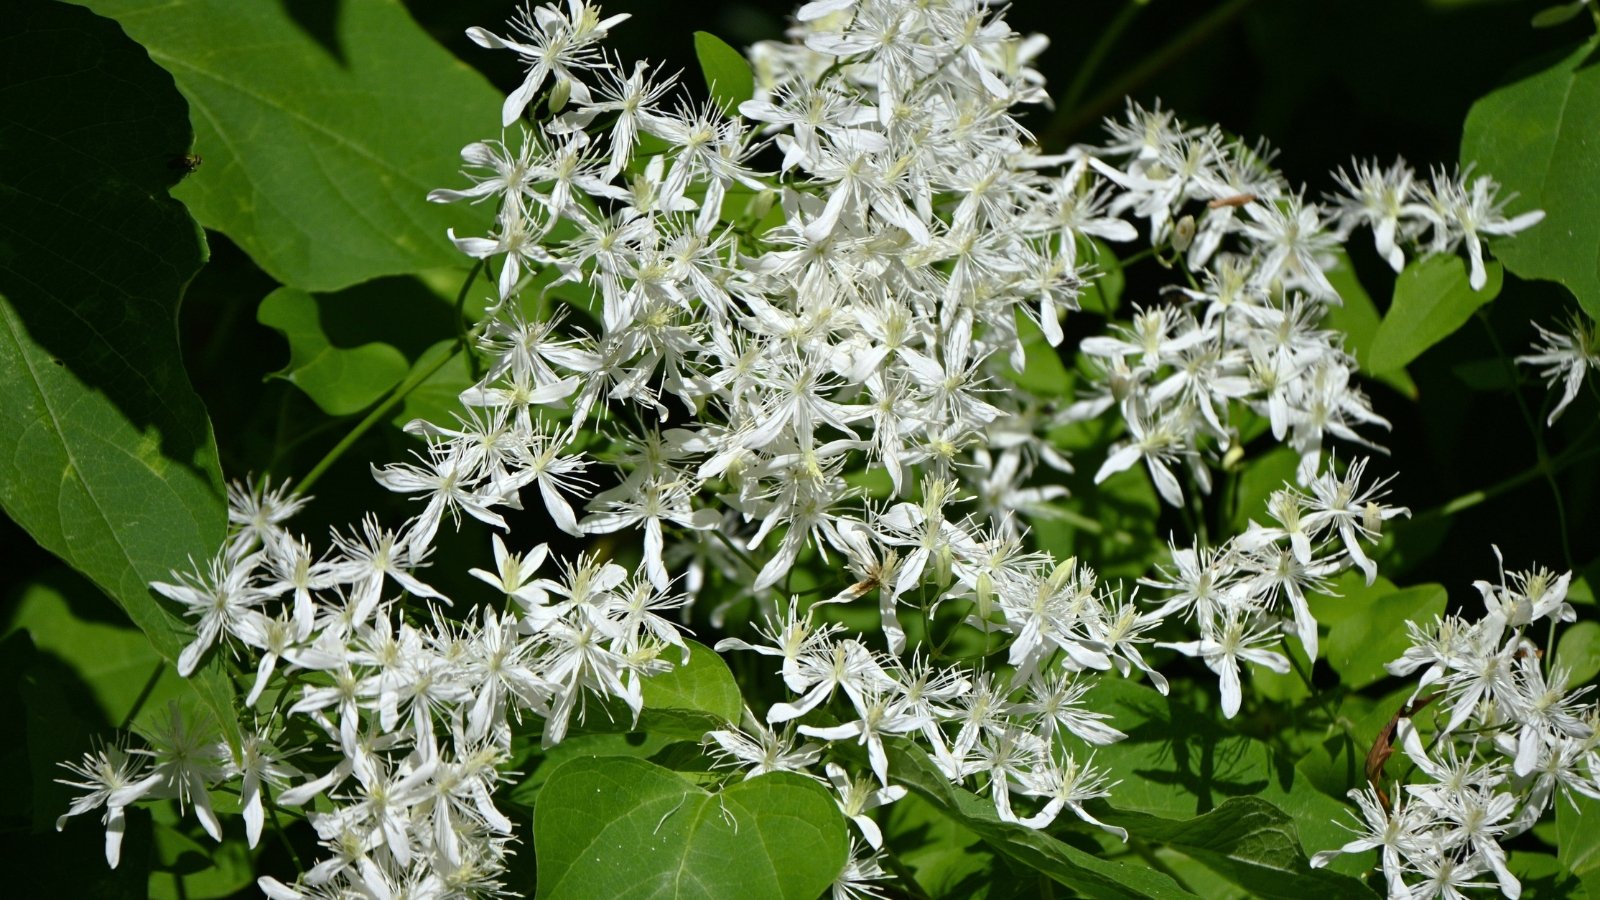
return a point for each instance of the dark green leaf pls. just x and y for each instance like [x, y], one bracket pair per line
[1431, 300]
[1178, 763]
[109, 460]
[340, 380]
[1251, 843]
[727, 74]
[321, 134]
[616, 827]
[1536, 136]
[1084, 872]
[112, 661]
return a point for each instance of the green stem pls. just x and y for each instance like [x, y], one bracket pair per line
[277, 827]
[1541, 452]
[373, 418]
[1097, 53]
[400, 392]
[1577, 453]
[1070, 120]
[144, 695]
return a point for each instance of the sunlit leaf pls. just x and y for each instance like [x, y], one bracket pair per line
[310, 120]
[623, 828]
[1536, 136]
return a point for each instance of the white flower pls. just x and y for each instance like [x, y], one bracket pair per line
[1566, 356]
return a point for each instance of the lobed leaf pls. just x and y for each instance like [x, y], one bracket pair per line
[106, 455]
[309, 118]
[340, 380]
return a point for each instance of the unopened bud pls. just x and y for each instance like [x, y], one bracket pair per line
[1183, 234]
[559, 95]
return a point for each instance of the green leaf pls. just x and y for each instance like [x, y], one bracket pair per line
[112, 661]
[1178, 763]
[1272, 471]
[108, 457]
[947, 859]
[1043, 373]
[189, 865]
[1578, 834]
[1536, 137]
[1579, 651]
[443, 374]
[1431, 300]
[321, 132]
[1366, 624]
[704, 684]
[1251, 843]
[617, 827]
[1084, 872]
[726, 71]
[1358, 318]
[340, 380]
[1103, 294]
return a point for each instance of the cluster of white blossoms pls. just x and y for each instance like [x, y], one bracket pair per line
[1247, 594]
[1567, 357]
[1506, 740]
[1249, 333]
[685, 347]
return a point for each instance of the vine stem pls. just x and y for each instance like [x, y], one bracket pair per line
[1097, 53]
[1070, 120]
[400, 392]
[1574, 454]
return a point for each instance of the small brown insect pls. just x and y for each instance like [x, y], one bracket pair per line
[1235, 200]
[186, 163]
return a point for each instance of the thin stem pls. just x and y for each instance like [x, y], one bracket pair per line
[1575, 454]
[1070, 119]
[400, 392]
[277, 827]
[373, 418]
[144, 695]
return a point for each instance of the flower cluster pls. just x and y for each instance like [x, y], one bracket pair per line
[1249, 331]
[721, 360]
[1507, 740]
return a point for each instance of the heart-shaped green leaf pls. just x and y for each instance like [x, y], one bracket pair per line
[704, 683]
[106, 454]
[1536, 136]
[618, 827]
[322, 127]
